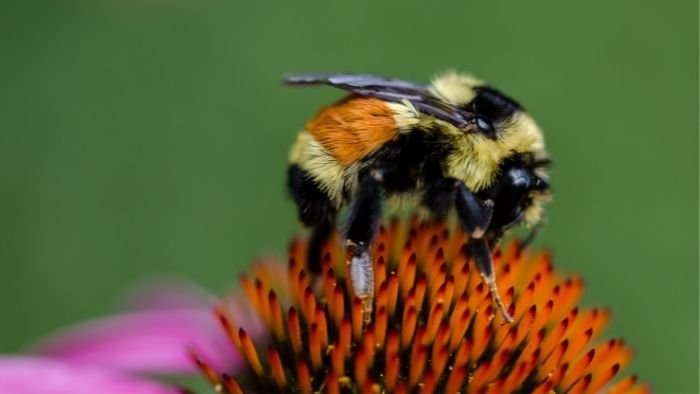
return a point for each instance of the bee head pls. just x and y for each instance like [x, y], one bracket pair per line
[497, 127]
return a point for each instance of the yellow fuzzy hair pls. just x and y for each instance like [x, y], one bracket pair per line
[475, 160]
[328, 173]
[454, 88]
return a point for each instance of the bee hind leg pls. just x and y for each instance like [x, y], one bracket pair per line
[362, 225]
[315, 210]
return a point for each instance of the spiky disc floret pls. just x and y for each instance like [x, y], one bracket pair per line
[433, 330]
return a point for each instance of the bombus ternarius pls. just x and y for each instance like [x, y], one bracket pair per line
[454, 143]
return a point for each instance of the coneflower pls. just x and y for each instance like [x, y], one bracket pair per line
[434, 327]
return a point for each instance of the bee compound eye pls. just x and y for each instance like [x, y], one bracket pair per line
[483, 125]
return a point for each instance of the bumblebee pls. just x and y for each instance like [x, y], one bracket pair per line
[456, 143]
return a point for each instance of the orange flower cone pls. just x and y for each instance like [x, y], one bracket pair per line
[434, 327]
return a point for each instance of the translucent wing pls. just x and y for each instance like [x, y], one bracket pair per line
[392, 90]
[363, 84]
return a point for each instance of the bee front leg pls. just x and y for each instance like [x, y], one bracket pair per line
[475, 217]
[474, 214]
[479, 249]
[363, 221]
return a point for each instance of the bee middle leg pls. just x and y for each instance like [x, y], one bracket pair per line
[363, 222]
[444, 193]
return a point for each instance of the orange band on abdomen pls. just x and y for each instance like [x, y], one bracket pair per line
[353, 128]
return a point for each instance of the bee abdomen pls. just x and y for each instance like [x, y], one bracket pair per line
[353, 128]
[314, 206]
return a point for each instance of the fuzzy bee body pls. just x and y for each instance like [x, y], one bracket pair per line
[455, 144]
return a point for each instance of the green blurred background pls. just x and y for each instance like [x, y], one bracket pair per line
[148, 137]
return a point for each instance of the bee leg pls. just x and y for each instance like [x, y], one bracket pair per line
[482, 256]
[474, 214]
[439, 196]
[315, 210]
[363, 221]
[475, 217]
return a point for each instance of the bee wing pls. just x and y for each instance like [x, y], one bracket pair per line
[363, 84]
[392, 90]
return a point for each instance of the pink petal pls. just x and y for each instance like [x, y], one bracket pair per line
[153, 341]
[31, 375]
[166, 293]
